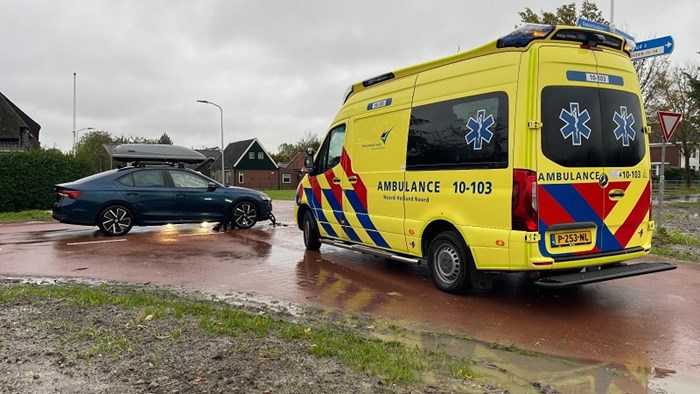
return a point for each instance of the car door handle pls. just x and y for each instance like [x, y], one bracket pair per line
[336, 181]
[352, 179]
[180, 194]
[132, 194]
[616, 194]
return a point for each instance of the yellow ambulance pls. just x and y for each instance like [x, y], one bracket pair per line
[529, 153]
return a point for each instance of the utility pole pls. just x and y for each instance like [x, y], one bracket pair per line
[74, 127]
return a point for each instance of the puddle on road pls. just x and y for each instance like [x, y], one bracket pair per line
[521, 371]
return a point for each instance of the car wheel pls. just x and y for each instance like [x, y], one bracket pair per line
[115, 220]
[312, 238]
[448, 263]
[244, 215]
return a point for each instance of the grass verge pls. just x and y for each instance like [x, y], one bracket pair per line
[281, 194]
[390, 360]
[24, 216]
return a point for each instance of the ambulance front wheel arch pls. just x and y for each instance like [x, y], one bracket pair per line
[449, 260]
[308, 224]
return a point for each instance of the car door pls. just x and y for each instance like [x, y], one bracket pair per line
[149, 194]
[326, 193]
[194, 199]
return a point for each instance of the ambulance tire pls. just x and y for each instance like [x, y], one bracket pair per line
[448, 263]
[312, 238]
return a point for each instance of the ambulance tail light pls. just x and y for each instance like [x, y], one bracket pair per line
[651, 200]
[524, 209]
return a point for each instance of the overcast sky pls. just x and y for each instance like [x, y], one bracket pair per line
[278, 68]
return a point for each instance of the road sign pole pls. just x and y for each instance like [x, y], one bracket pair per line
[668, 122]
[662, 185]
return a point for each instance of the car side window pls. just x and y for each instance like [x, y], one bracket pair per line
[149, 178]
[126, 180]
[186, 179]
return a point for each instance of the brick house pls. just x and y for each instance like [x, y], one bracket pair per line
[290, 173]
[247, 164]
[673, 157]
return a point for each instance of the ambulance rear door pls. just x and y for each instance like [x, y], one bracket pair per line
[593, 189]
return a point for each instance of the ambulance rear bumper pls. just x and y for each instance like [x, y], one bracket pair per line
[602, 274]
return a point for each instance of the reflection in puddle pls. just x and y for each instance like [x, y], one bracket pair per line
[674, 382]
[522, 371]
[337, 287]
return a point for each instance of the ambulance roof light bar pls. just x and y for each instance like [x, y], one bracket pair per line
[524, 35]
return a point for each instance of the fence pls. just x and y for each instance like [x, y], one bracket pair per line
[675, 185]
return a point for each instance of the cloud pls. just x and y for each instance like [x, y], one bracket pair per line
[277, 68]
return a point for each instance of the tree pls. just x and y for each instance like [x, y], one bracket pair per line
[288, 151]
[91, 149]
[164, 139]
[677, 92]
[564, 15]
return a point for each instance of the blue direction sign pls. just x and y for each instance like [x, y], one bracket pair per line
[603, 27]
[592, 25]
[655, 47]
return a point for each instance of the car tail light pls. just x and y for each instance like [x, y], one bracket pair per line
[72, 194]
[524, 213]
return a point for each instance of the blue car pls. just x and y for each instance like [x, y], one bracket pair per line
[140, 195]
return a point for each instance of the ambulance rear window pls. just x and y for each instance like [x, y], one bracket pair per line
[591, 127]
[468, 132]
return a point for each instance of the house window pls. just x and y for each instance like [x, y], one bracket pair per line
[227, 178]
[261, 155]
[286, 178]
[251, 155]
[240, 177]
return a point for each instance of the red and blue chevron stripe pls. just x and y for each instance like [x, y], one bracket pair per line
[333, 196]
[588, 202]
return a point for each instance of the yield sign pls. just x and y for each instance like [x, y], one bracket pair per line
[669, 121]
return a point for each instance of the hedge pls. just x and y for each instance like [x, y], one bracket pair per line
[27, 178]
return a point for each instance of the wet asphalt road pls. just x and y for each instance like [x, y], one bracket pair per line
[645, 322]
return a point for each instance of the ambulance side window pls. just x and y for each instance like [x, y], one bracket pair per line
[331, 150]
[464, 133]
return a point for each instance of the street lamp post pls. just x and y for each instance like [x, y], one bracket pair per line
[221, 111]
[75, 137]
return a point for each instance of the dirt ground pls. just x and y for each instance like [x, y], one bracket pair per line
[50, 346]
[683, 218]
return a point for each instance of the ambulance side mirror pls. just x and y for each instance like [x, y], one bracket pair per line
[309, 161]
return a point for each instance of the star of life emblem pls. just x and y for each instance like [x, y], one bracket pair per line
[479, 129]
[575, 124]
[624, 130]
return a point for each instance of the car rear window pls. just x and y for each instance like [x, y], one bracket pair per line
[591, 127]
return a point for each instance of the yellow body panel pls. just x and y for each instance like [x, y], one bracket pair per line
[390, 189]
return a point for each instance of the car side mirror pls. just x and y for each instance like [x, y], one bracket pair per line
[309, 161]
[211, 186]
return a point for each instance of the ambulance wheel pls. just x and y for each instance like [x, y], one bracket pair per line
[312, 238]
[448, 263]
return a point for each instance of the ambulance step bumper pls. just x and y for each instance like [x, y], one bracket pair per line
[373, 251]
[603, 274]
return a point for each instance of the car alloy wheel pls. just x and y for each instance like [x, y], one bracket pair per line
[115, 220]
[244, 215]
